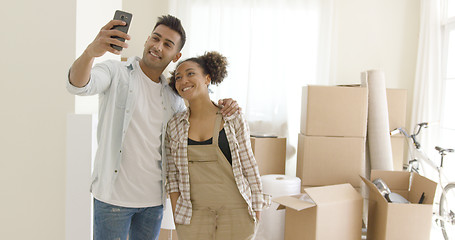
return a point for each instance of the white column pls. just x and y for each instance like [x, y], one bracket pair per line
[80, 144]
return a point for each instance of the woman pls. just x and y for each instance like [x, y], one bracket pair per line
[212, 176]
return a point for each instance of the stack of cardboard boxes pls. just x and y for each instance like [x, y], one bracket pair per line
[330, 158]
[331, 147]
[331, 143]
[331, 165]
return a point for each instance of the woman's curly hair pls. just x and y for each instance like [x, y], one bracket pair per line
[212, 63]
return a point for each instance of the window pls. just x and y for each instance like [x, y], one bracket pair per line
[273, 48]
[448, 77]
[451, 8]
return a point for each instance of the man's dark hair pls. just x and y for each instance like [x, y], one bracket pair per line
[174, 24]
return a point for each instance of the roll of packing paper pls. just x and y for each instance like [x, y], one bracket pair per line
[379, 146]
[271, 226]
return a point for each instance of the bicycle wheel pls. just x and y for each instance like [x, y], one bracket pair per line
[447, 211]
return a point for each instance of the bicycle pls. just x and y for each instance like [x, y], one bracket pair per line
[446, 214]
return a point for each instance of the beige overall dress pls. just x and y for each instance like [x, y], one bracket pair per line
[219, 211]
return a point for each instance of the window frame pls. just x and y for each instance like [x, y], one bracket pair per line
[447, 25]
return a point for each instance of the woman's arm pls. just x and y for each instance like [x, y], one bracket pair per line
[249, 165]
[171, 174]
[174, 196]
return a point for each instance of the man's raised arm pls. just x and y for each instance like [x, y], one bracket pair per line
[80, 70]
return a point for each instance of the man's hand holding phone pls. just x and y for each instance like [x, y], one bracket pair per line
[113, 34]
[111, 37]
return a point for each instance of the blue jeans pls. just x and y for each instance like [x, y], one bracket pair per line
[116, 223]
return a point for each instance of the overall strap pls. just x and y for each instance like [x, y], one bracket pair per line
[216, 129]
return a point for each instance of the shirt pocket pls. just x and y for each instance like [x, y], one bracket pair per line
[121, 94]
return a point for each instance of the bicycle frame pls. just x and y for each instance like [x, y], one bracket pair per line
[428, 168]
[425, 165]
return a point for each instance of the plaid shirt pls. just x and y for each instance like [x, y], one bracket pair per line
[244, 165]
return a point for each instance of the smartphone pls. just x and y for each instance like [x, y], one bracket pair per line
[126, 17]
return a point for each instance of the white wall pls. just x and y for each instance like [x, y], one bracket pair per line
[145, 13]
[378, 34]
[38, 46]
[91, 16]
[81, 135]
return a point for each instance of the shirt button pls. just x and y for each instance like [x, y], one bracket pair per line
[115, 171]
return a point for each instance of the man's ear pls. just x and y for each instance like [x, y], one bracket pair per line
[177, 57]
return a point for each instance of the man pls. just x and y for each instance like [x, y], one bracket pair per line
[135, 105]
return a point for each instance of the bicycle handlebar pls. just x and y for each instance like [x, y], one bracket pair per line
[412, 136]
[417, 145]
[421, 125]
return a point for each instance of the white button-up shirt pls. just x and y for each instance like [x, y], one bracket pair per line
[117, 88]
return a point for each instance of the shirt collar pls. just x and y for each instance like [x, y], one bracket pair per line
[130, 64]
[185, 115]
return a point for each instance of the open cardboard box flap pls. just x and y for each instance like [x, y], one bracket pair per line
[327, 212]
[333, 194]
[293, 202]
[421, 185]
[404, 182]
[373, 188]
[396, 220]
[320, 195]
[396, 180]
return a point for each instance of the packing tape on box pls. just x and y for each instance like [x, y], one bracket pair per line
[379, 146]
[271, 226]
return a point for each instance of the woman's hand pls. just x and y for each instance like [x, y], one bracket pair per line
[174, 196]
[258, 216]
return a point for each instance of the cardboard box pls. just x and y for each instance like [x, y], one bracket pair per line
[304, 187]
[167, 234]
[330, 160]
[334, 111]
[270, 154]
[397, 221]
[398, 144]
[335, 212]
[396, 103]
